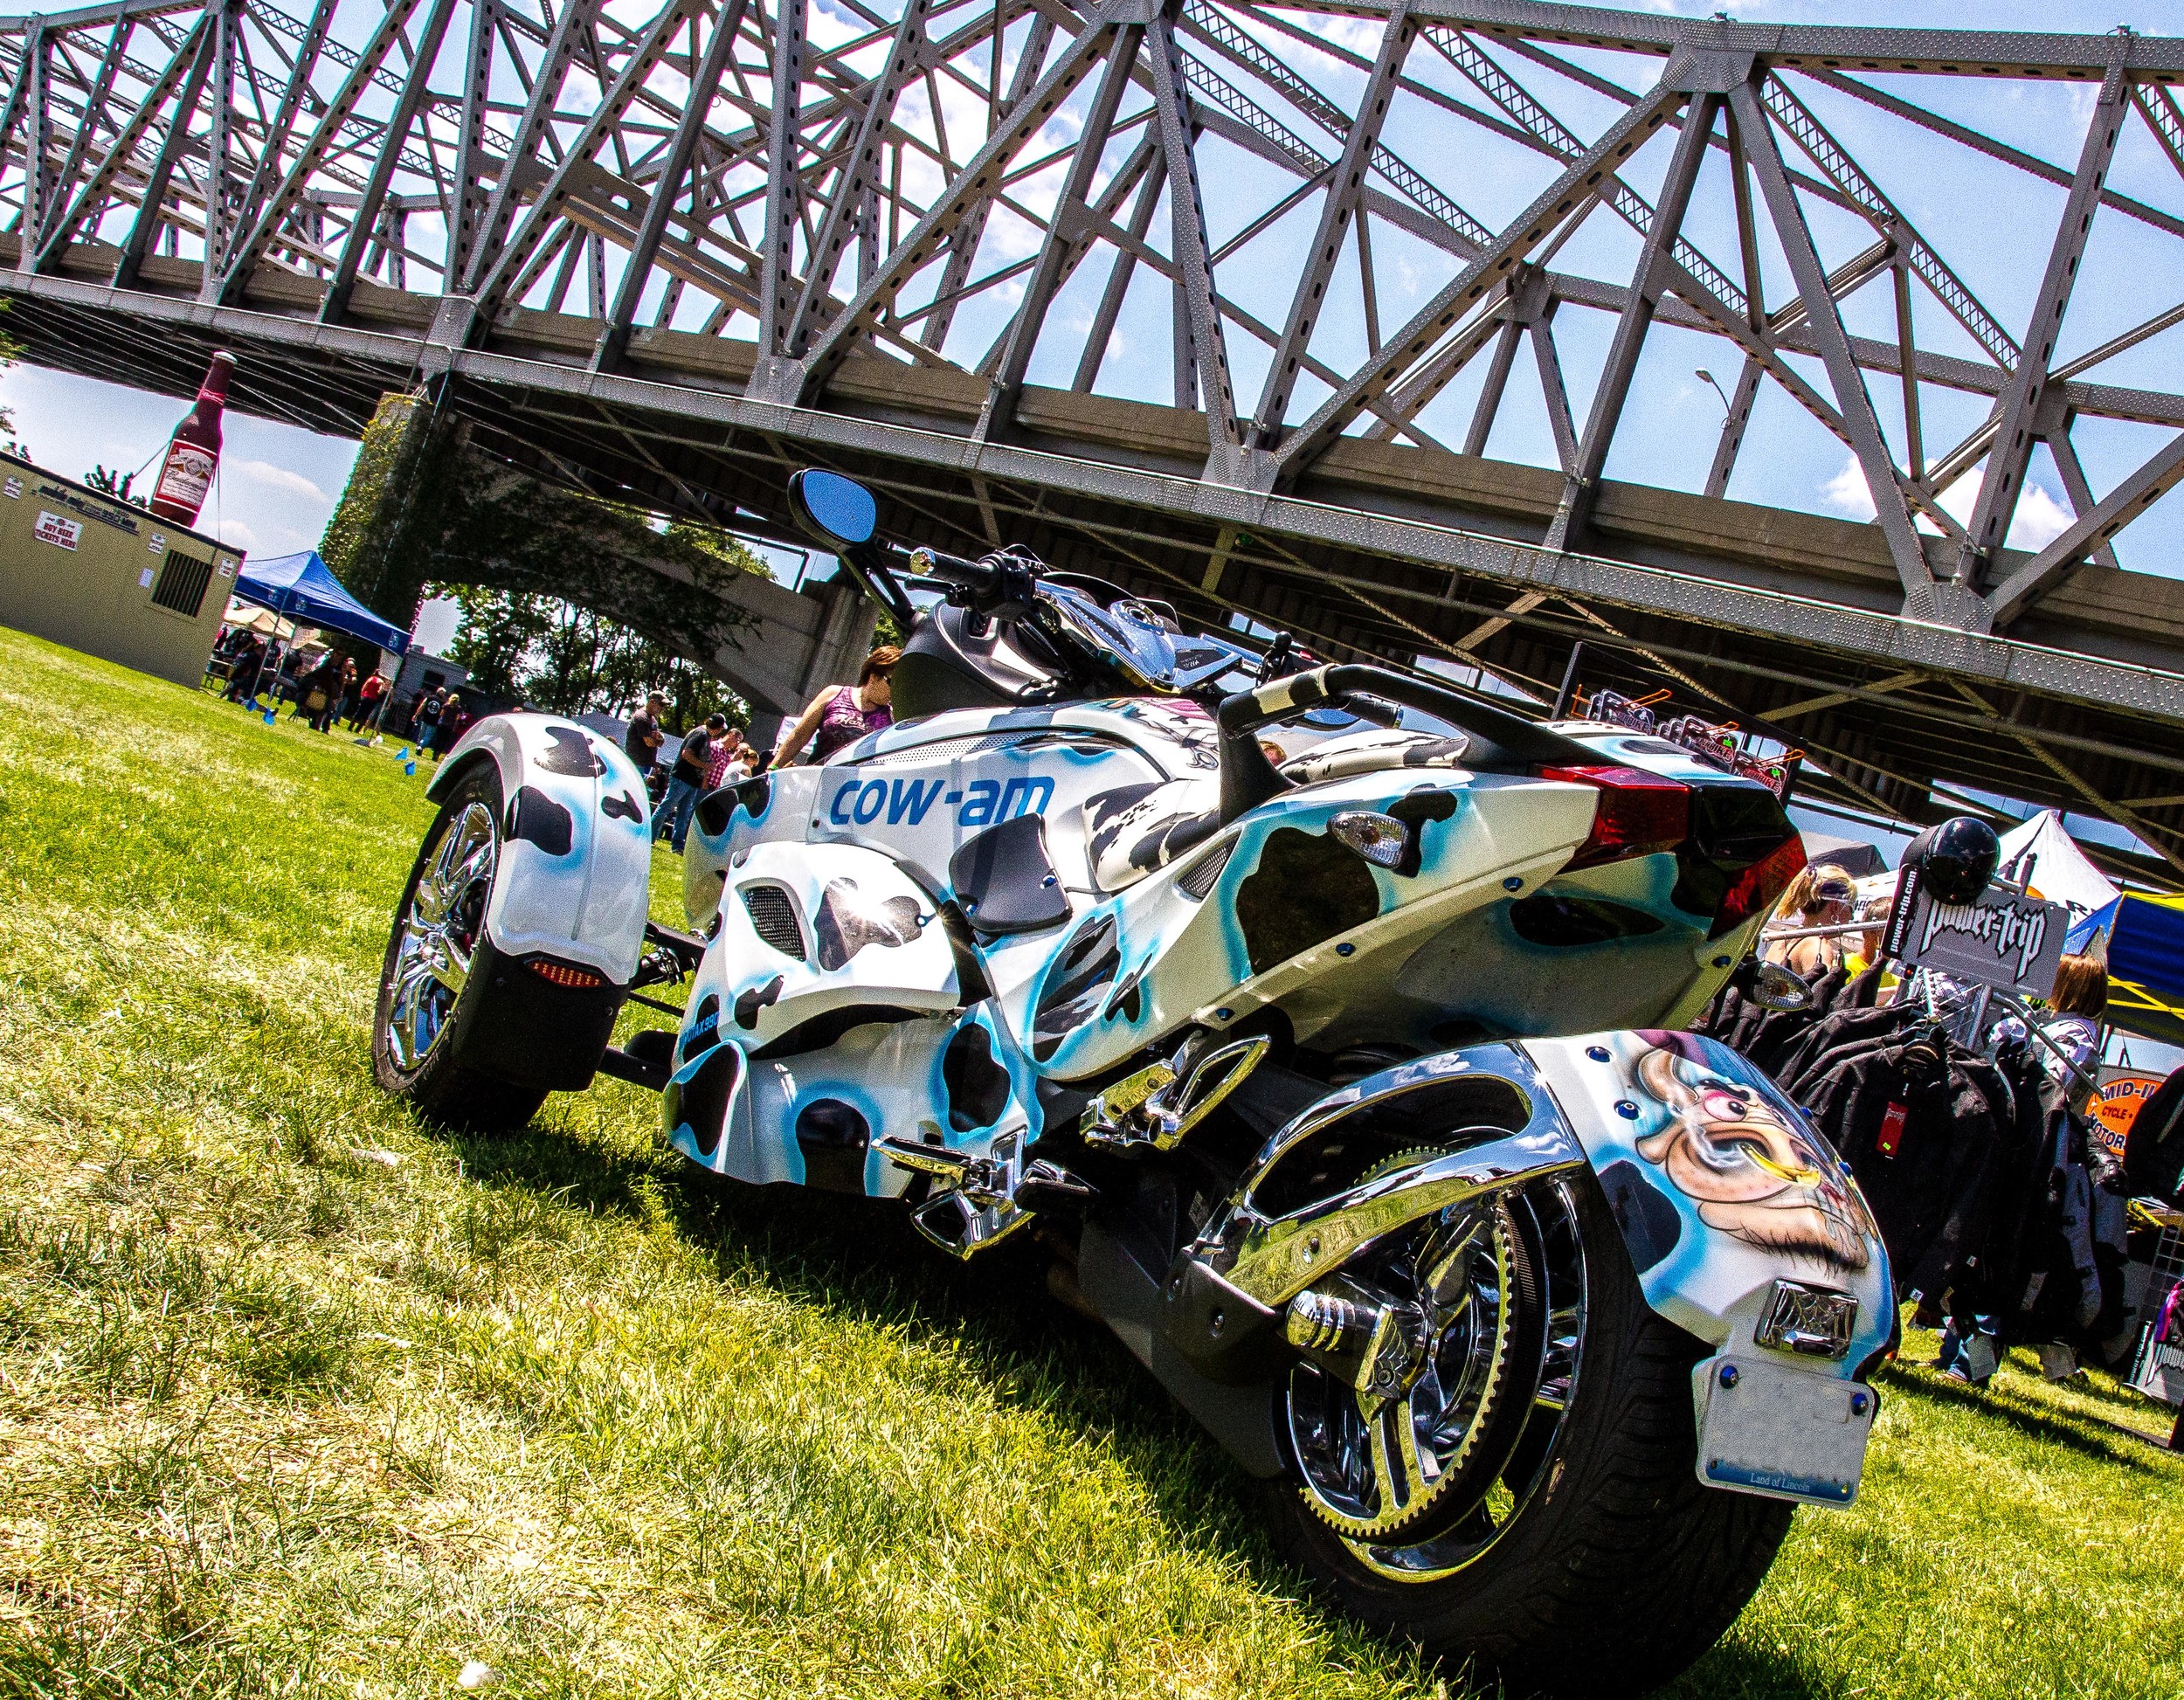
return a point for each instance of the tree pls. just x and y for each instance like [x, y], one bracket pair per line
[11, 351]
[527, 647]
[115, 484]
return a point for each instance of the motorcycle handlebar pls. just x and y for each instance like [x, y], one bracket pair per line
[1521, 739]
[981, 578]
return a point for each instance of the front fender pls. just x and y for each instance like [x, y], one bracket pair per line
[575, 871]
[846, 929]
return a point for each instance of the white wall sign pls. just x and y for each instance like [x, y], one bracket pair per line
[2004, 940]
[14, 488]
[51, 528]
[144, 579]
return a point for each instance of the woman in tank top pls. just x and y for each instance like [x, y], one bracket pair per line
[842, 714]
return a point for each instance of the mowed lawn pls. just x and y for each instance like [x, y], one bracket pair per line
[298, 1396]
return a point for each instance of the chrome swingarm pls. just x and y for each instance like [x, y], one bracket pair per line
[1461, 1128]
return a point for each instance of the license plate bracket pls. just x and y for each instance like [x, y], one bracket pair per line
[1773, 1429]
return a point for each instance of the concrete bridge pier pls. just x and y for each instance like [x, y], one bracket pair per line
[425, 507]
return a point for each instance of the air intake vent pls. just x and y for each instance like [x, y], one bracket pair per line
[773, 918]
[1197, 879]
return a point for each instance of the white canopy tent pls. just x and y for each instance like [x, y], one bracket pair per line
[2060, 871]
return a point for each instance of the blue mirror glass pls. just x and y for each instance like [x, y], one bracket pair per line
[838, 509]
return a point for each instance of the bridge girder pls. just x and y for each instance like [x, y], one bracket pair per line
[664, 253]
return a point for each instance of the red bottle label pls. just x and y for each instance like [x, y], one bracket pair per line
[1891, 1133]
[186, 478]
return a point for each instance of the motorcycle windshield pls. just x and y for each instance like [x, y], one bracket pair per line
[1150, 654]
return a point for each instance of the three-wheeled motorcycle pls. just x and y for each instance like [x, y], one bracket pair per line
[1321, 1022]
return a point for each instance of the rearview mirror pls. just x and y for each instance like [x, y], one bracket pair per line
[831, 509]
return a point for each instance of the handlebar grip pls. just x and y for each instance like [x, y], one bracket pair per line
[979, 577]
[1273, 699]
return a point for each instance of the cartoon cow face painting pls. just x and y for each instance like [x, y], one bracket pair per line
[1753, 1173]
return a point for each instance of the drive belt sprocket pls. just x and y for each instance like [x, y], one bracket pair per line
[1404, 1466]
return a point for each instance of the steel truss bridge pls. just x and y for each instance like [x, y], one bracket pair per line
[1226, 300]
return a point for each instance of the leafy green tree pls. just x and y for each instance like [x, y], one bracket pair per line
[527, 647]
[494, 639]
[115, 484]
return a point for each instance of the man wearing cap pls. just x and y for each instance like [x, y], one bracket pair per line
[687, 785]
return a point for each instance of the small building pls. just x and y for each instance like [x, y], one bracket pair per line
[420, 672]
[105, 577]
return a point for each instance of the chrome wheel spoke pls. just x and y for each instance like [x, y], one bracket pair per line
[452, 969]
[1417, 1465]
[437, 935]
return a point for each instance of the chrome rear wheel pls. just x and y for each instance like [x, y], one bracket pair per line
[1411, 1468]
[1582, 1558]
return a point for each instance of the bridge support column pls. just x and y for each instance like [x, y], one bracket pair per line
[424, 507]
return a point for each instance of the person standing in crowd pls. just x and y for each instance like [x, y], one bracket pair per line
[1821, 895]
[731, 760]
[641, 742]
[687, 783]
[319, 695]
[242, 666]
[347, 695]
[842, 714]
[424, 719]
[370, 695]
[2073, 1027]
[455, 721]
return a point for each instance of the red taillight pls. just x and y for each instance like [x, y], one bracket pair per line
[1753, 891]
[1640, 813]
[560, 973]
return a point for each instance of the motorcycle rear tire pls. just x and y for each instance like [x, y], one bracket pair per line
[439, 1085]
[1623, 1568]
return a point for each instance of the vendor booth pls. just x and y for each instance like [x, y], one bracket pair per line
[2144, 938]
[1953, 1058]
[302, 589]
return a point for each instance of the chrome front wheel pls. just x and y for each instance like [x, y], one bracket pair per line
[438, 1014]
[437, 937]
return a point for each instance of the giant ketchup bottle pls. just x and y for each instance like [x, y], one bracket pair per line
[194, 455]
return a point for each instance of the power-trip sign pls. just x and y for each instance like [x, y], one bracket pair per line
[2004, 939]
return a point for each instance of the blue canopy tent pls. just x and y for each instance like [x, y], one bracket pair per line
[2144, 938]
[302, 588]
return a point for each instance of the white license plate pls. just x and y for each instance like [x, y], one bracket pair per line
[1767, 1428]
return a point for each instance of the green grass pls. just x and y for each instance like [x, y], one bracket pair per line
[279, 1415]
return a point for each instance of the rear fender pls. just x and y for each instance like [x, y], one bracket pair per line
[1721, 1186]
[575, 871]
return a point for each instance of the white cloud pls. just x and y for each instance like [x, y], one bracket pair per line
[2040, 519]
[1847, 493]
[236, 535]
[279, 478]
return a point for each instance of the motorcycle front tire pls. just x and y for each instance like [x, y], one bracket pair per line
[1623, 1568]
[438, 1079]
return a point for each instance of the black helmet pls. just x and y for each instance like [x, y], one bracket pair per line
[1955, 860]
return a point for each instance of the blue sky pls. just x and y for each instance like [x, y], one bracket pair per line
[277, 484]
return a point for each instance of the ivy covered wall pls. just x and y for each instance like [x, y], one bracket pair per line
[422, 508]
